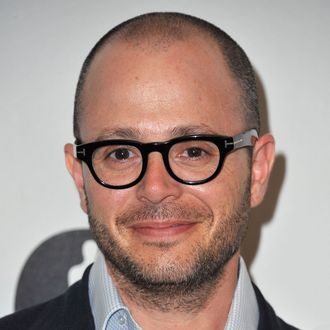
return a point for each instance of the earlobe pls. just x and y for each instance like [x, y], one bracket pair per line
[74, 167]
[262, 163]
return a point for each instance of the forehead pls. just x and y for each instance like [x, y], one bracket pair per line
[155, 88]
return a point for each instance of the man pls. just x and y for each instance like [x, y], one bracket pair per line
[167, 164]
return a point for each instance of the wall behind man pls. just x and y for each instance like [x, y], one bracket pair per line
[43, 44]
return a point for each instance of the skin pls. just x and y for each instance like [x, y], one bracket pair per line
[186, 86]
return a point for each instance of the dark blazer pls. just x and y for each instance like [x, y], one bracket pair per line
[71, 311]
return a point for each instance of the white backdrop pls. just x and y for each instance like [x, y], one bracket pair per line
[43, 44]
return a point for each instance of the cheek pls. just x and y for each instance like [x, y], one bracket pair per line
[226, 191]
[104, 203]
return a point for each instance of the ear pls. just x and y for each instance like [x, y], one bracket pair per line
[262, 163]
[74, 167]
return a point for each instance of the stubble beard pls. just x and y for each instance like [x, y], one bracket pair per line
[180, 285]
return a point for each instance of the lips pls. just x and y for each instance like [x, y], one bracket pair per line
[162, 229]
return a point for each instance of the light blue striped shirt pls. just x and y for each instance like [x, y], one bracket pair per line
[110, 313]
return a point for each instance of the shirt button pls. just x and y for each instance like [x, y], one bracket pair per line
[121, 320]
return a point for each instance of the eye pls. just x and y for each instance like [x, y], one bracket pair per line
[194, 152]
[121, 154]
[116, 155]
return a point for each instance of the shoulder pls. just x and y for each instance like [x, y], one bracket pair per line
[268, 320]
[71, 310]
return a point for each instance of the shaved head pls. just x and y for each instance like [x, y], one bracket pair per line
[156, 32]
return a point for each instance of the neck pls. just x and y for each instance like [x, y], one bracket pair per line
[207, 306]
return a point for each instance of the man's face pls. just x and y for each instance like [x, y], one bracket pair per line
[161, 230]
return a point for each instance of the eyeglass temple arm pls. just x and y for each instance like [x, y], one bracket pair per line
[77, 152]
[245, 139]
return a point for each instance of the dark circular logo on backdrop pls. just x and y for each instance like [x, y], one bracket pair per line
[45, 273]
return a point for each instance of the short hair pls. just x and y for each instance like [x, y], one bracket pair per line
[162, 28]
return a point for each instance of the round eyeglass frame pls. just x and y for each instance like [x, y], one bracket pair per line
[225, 144]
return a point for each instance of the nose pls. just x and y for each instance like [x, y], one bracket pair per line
[157, 185]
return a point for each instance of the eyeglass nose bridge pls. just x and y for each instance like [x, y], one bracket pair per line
[161, 147]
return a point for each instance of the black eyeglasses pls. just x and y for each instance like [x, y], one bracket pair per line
[192, 160]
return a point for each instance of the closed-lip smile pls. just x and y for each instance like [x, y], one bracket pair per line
[162, 228]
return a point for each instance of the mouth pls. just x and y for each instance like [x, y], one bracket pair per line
[165, 229]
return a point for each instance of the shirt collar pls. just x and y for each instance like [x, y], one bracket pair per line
[109, 312]
[244, 310]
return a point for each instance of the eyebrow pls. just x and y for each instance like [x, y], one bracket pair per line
[119, 133]
[192, 130]
[134, 133]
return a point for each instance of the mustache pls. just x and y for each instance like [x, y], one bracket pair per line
[164, 212]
